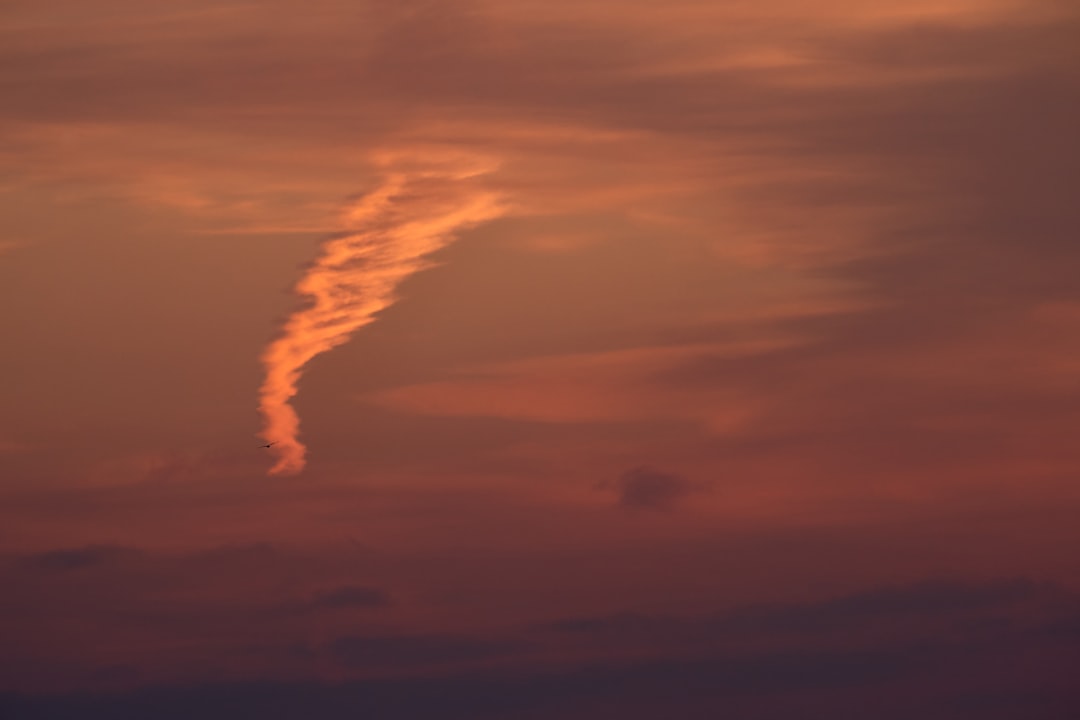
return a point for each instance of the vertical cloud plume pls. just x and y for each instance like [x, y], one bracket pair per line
[388, 235]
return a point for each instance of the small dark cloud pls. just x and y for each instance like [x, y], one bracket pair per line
[619, 622]
[919, 608]
[244, 554]
[350, 596]
[650, 489]
[926, 600]
[405, 651]
[72, 558]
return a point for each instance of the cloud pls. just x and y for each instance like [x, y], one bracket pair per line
[231, 603]
[917, 609]
[967, 666]
[8, 246]
[650, 489]
[350, 596]
[916, 166]
[419, 651]
[610, 386]
[921, 601]
[424, 202]
[74, 558]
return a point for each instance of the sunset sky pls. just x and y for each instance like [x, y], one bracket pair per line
[626, 359]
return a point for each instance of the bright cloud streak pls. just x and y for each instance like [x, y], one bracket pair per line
[388, 235]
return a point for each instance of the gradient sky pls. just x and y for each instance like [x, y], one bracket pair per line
[695, 359]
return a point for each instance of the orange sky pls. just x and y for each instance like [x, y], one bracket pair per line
[607, 325]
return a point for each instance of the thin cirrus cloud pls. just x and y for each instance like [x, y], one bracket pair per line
[613, 386]
[390, 234]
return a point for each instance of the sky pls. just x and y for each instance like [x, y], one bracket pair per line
[696, 359]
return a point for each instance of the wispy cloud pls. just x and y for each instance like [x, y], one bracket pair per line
[389, 235]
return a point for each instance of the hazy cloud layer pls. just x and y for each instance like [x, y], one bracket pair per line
[816, 258]
[838, 671]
